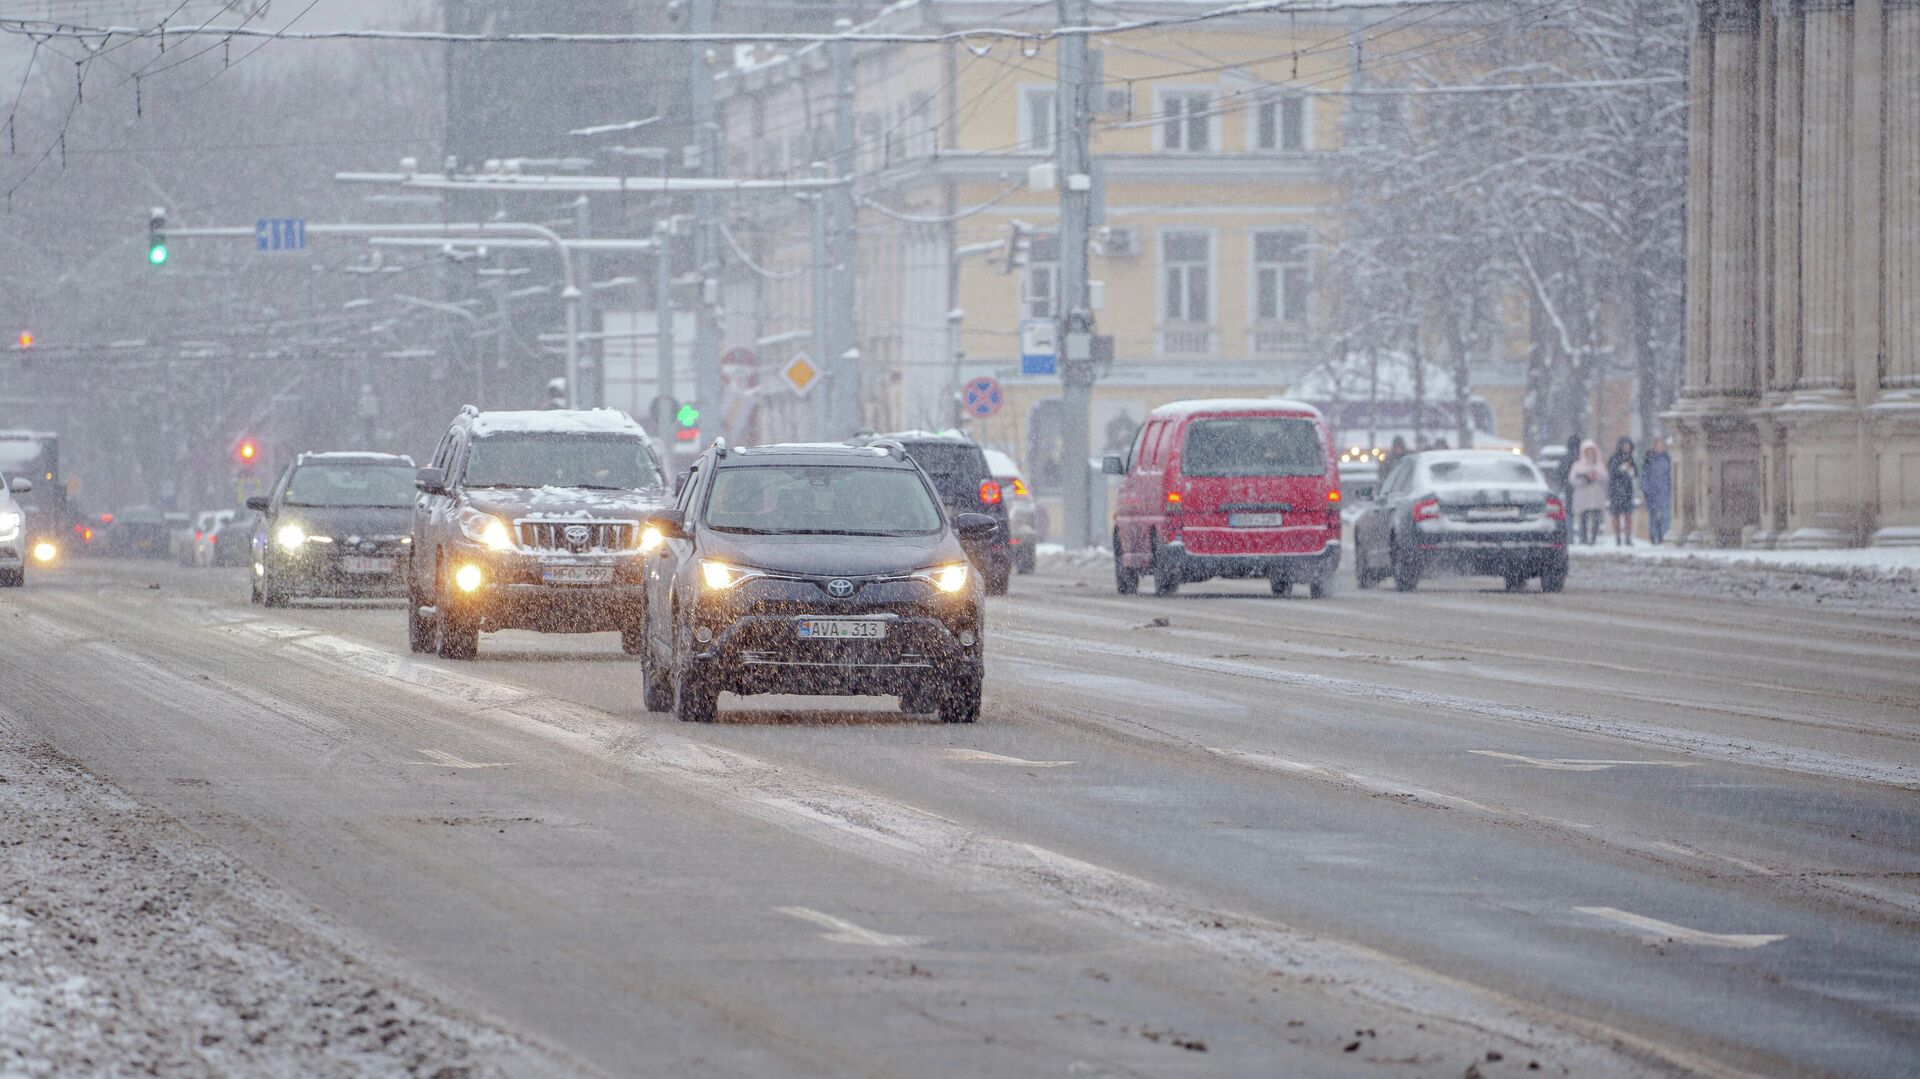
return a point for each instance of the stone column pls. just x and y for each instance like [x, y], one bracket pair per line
[1825, 234]
[1902, 214]
[1732, 363]
[1788, 41]
[1699, 205]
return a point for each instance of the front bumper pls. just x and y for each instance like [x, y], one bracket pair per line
[515, 593]
[318, 571]
[1312, 566]
[756, 645]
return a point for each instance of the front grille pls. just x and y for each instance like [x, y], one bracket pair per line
[577, 537]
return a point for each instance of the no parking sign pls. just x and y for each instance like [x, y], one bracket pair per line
[981, 397]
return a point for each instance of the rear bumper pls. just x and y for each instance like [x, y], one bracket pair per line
[1493, 554]
[1309, 566]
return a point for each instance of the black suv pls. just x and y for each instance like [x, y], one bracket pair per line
[813, 569]
[959, 471]
[531, 520]
[335, 526]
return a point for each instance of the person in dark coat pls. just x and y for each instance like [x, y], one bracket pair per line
[1622, 475]
[1394, 453]
[1656, 483]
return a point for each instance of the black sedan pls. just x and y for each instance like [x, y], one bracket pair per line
[1473, 512]
[335, 526]
[814, 570]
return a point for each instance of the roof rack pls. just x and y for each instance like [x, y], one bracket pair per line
[469, 410]
[719, 447]
[893, 447]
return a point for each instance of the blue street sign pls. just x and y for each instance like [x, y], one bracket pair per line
[981, 397]
[1038, 348]
[280, 234]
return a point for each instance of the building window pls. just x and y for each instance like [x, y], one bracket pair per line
[1280, 124]
[1186, 121]
[1039, 113]
[1186, 291]
[1281, 275]
[1042, 283]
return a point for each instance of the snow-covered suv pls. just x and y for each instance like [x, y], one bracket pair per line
[531, 520]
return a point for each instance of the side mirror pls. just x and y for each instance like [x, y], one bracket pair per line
[672, 524]
[431, 480]
[975, 526]
[259, 503]
[20, 485]
[1113, 465]
[680, 482]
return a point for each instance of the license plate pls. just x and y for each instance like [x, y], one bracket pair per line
[1256, 520]
[578, 575]
[1491, 513]
[841, 629]
[359, 563]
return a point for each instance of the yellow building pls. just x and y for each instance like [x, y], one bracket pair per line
[1211, 143]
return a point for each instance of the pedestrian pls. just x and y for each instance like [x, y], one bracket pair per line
[1656, 483]
[1588, 481]
[1394, 453]
[1622, 476]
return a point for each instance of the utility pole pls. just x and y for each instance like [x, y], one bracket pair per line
[843, 387]
[663, 392]
[588, 393]
[1074, 169]
[820, 405]
[706, 256]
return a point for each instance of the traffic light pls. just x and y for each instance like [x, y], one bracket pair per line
[26, 340]
[247, 453]
[688, 418]
[157, 237]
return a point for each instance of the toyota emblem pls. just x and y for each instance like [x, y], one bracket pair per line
[839, 588]
[577, 534]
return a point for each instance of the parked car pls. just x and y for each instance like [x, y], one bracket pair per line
[1228, 489]
[140, 532]
[958, 468]
[532, 520]
[1474, 512]
[199, 547]
[1023, 518]
[817, 570]
[335, 526]
[13, 532]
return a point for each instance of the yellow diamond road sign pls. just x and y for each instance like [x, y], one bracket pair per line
[800, 373]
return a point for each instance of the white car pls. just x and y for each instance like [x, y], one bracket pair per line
[13, 533]
[198, 550]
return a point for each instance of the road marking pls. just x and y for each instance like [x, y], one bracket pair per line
[1376, 784]
[451, 761]
[845, 932]
[980, 756]
[1656, 931]
[1575, 764]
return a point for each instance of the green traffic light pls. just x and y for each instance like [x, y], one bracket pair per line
[157, 254]
[688, 415]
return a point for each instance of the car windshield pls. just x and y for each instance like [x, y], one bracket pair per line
[1255, 446]
[615, 462]
[351, 485]
[821, 500]
[1488, 469]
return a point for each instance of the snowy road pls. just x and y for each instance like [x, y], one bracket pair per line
[1391, 834]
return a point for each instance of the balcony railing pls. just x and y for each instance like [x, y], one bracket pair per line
[1276, 338]
[1186, 338]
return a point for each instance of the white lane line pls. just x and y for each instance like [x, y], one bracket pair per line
[1575, 764]
[1377, 784]
[981, 756]
[1655, 931]
[448, 760]
[1742, 750]
[845, 932]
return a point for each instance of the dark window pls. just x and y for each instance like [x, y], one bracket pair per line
[956, 469]
[351, 485]
[1488, 469]
[821, 500]
[560, 459]
[1255, 446]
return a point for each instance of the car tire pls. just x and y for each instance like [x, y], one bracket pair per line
[1279, 586]
[1025, 560]
[695, 698]
[254, 582]
[1406, 569]
[1320, 589]
[960, 703]
[1516, 582]
[1554, 579]
[656, 692]
[270, 593]
[421, 630]
[1165, 581]
[455, 636]
[13, 578]
[1125, 581]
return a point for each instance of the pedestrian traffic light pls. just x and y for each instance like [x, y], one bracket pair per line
[688, 417]
[157, 237]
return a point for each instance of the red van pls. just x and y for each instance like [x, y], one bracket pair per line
[1228, 489]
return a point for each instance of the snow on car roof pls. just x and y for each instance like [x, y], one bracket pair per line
[1001, 464]
[355, 456]
[554, 421]
[811, 449]
[1181, 409]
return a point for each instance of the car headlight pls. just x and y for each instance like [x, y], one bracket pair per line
[719, 576]
[487, 530]
[945, 578]
[45, 552]
[650, 538]
[291, 536]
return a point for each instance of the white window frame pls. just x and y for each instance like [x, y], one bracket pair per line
[1254, 266]
[1279, 126]
[1029, 91]
[1162, 264]
[1160, 98]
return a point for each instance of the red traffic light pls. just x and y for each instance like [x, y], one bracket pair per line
[26, 338]
[687, 434]
[248, 450]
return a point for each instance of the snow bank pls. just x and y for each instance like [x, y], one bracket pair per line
[1892, 564]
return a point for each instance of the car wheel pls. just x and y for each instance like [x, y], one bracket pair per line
[456, 636]
[1320, 589]
[1125, 581]
[1362, 577]
[255, 583]
[695, 698]
[420, 630]
[1165, 580]
[1406, 568]
[633, 637]
[1554, 579]
[1516, 582]
[961, 701]
[271, 594]
[1279, 586]
[656, 692]
[13, 578]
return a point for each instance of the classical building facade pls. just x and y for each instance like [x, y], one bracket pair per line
[1800, 421]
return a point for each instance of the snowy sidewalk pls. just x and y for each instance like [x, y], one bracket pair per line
[1900, 565]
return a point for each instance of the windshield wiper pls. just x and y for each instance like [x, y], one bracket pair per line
[599, 487]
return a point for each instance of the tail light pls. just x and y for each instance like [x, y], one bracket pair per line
[1333, 510]
[1556, 510]
[1427, 509]
[1173, 500]
[1333, 496]
[989, 493]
